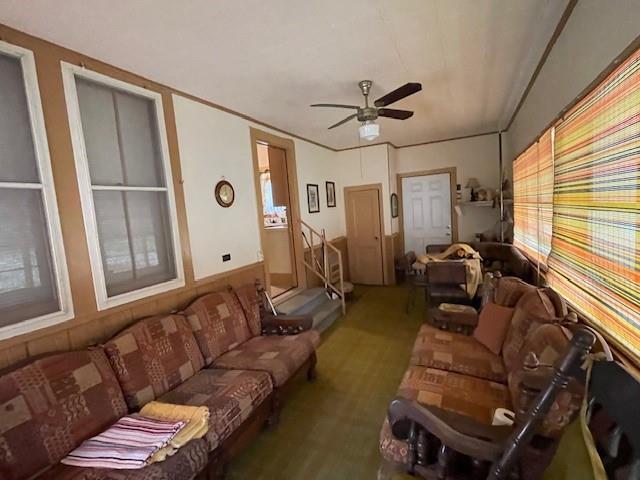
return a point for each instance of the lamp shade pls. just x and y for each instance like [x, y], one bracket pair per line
[472, 183]
[369, 130]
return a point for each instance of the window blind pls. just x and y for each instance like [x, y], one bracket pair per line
[533, 199]
[594, 259]
[130, 195]
[27, 275]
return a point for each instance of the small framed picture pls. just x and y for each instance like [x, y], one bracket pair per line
[394, 205]
[313, 198]
[331, 194]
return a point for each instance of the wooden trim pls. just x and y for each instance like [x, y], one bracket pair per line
[288, 146]
[217, 276]
[543, 59]
[381, 237]
[626, 53]
[453, 180]
[451, 139]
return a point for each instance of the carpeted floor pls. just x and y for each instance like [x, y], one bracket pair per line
[329, 429]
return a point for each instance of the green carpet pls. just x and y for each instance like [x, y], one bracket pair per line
[329, 429]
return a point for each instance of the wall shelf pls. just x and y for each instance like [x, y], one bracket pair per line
[488, 203]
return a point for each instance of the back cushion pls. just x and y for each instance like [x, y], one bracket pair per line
[250, 301]
[533, 309]
[50, 406]
[509, 290]
[218, 323]
[154, 356]
[549, 342]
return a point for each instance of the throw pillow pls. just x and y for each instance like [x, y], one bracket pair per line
[493, 325]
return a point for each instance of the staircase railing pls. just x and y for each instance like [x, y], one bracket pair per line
[322, 270]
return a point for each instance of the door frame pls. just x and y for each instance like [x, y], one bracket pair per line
[453, 181]
[288, 146]
[359, 188]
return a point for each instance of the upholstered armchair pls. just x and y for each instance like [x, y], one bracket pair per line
[447, 282]
[442, 443]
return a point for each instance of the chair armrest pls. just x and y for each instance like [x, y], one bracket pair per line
[458, 432]
[286, 324]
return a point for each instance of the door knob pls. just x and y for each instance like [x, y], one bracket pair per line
[375, 238]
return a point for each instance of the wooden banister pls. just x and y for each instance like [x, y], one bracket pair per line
[322, 271]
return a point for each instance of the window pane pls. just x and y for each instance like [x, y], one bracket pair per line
[17, 156]
[135, 239]
[27, 286]
[121, 136]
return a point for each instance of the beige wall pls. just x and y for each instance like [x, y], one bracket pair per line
[595, 34]
[472, 157]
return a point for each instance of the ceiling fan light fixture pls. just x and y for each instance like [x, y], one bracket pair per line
[369, 130]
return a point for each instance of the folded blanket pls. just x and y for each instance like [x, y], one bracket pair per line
[466, 254]
[128, 443]
[196, 419]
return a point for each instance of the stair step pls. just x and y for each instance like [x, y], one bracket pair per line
[325, 314]
[304, 302]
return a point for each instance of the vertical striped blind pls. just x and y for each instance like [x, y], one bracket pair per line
[533, 197]
[595, 257]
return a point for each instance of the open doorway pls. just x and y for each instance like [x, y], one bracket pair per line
[277, 222]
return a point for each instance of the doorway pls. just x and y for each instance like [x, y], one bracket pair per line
[364, 234]
[427, 209]
[277, 247]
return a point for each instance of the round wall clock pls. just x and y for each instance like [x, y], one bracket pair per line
[225, 194]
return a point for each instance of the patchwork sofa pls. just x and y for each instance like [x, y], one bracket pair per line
[465, 382]
[215, 353]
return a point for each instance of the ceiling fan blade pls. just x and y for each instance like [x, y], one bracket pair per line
[392, 113]
[350, 117]
[398, 94]
[335, 105]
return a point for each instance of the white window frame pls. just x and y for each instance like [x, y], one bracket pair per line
[54, 231]
[69, 74]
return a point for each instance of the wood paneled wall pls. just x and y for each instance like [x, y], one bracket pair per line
[90, 326]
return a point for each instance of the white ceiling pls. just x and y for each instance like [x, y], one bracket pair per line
[271, 59]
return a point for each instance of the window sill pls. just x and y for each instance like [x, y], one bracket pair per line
[34, 324]
[105, 303]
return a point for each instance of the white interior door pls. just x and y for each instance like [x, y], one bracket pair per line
[426, 207]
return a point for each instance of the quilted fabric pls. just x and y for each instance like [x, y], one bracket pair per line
[250, 302]
[185, 464]
[50, 406]
[548, 342]
[153, 356]
[230, 395]
[455, 352]
[218, 323]
[468, 396]
[532, 310]
[280, 356]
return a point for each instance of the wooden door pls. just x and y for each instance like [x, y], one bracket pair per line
[364, 236]
[426, 208]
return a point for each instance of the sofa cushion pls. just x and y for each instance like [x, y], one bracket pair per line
[153, 356]
[548, 342]
[50, 406]
[230, 395]
[493, 324]
[455, 352]
[468, 396]
[185, 464]
[218, 323]
[280, 356]
[509, 290]
[533, 309]
[250, 302]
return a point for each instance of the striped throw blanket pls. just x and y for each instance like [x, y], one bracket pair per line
[129, 443]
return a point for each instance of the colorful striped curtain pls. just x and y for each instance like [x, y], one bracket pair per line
[594, 261]
[533, 199]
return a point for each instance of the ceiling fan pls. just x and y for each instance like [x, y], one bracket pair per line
[368, 114]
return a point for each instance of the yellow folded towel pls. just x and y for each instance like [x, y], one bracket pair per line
[196, 419]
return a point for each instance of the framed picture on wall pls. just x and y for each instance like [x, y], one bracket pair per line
[394, 205]
[313, 198]
[331, 194]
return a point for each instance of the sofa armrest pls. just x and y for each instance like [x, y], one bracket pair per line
[457, 432]
[286, 324]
